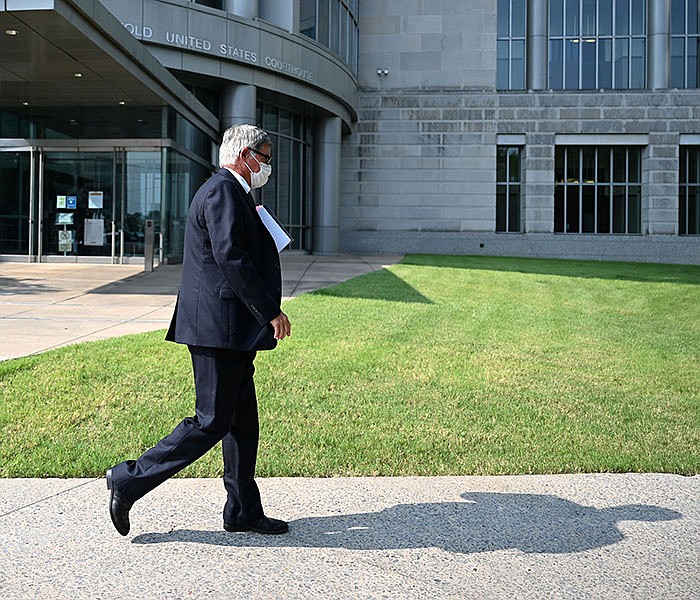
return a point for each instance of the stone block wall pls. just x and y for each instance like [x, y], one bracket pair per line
[423, 162]
[419, 168]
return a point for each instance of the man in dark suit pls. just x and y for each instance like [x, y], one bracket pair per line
[228, 307]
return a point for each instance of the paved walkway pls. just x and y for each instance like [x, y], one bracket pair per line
[634, 536]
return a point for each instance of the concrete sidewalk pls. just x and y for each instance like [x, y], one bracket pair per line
[565, 537]
[634, 536]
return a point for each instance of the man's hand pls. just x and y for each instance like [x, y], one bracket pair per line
[282, 326]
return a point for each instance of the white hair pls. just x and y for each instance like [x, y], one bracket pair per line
[239, 137]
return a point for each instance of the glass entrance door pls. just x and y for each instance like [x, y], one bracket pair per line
[15, 190]
[77, 203]
[141, 199]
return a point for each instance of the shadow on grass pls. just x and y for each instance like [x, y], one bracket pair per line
[379, 285]
[483, 522]
[624, 271]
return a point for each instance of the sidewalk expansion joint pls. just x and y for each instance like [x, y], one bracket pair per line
[19, 508]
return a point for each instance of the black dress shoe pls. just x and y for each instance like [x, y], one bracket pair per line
[263, 525]
[118, 508]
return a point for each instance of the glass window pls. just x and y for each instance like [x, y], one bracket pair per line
[517, 65]
[693, 17]
[334, 27]
[307, 18]
[510, 45]
[638, 10]
[605, 63]
[332, 23]
[556, 17]
[621, 64]
[571, 17]
[605, 17]
[556, 64]
[588, 18]
[677, 17]
[693, 81]
[637, 73]
[142, 198]
[502, 64]
[571, 63]
[622, 17]
[212, 3]
[183, 178]
[288, 193]
[14, 203]
[684, 44]
[518, 19]
[322, 24]
[503, 18]
[343, 33]
[508, 180]
[604, 44]
[587, 201]
[588, 64]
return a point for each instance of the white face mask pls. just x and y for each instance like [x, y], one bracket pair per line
[259, 179]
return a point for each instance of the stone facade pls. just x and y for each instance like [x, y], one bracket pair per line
[419, 169]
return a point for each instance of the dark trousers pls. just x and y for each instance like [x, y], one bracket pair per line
[226, 409]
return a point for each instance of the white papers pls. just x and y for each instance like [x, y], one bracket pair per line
[281, 237]
[94, 232]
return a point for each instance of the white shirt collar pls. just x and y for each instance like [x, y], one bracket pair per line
[240, 179]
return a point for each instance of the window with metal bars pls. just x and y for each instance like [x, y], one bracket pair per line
[508, 187]
[598, 190]
[689, 191]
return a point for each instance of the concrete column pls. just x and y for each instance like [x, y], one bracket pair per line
[326, 224]
[238, 104]
[248, 9]
[536, 45]
[659, 44]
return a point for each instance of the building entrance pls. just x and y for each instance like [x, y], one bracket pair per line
[70, 205]
[77, 204]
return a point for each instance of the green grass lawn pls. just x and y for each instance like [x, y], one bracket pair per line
[438, 365]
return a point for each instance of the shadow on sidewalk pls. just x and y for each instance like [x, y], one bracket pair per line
[165, 280]
[11, 285]
[483, 522]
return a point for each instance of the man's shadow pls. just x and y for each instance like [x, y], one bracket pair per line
[482, 522]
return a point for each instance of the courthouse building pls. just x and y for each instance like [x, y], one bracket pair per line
[561, 128]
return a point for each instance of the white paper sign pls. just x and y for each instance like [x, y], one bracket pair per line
[95, 200]
[94, 234]
[65, 240]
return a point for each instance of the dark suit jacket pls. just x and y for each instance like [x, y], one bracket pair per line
[231, 280]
